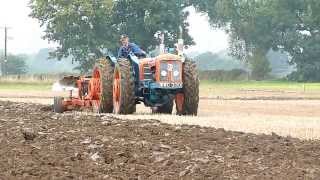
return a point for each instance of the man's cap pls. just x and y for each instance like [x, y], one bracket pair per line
[123, 36]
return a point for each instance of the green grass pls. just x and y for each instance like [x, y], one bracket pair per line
[205, 85]
[14, 86]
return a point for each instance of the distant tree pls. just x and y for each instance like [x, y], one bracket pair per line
[142, 19]
[291, 26]
[15, 65]
[302, 39]
[260, 65]
[82, 27]
[79, 27]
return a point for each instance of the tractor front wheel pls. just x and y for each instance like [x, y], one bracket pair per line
[187, 102]
[124, 101]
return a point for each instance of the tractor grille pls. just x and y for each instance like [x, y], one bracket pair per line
[147, 72]
[170, 71]
[163, 68]
[176, 69]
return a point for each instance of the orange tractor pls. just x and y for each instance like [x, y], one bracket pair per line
[118, 85]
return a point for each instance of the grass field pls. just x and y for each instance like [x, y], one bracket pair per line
[208, 89]
[19, 86]
[205, 86]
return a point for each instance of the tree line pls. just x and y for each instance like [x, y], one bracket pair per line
[81, 27]
[15, 65]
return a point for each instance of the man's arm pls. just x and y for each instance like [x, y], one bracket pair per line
[136, 49]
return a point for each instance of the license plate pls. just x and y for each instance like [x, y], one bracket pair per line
[171, 85]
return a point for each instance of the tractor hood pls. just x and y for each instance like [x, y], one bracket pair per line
[168, 57]
[165, 68]
[163, 57]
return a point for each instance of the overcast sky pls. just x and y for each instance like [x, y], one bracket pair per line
[26, 32]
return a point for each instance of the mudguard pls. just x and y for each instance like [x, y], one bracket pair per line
[112, 58]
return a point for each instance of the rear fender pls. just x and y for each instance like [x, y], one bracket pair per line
[135, 65]
[112, 58]
[134, 58]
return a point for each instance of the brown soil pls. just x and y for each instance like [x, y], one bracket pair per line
[38, 144]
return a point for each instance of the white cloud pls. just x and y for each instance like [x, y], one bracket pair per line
[206, 38]
[26, 32]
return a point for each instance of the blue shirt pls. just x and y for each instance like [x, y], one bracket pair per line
[124, 51]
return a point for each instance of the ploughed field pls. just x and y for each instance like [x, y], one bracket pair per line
[298, 118]
[38, 144]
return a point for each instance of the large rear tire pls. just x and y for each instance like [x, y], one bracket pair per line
[105, 69]
[124, 100]
[58, 105]
[164, 109]
[190, 89]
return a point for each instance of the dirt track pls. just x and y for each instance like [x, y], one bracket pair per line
[38, 144]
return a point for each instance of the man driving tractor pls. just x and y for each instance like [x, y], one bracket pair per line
[118, 84]
[128, 47]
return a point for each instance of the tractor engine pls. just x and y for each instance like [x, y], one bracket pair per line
[160, 79]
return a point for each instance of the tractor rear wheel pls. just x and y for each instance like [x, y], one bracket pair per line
[103, 69]
[164, 109]
[58, 105]
[190, 92]
[124, 100]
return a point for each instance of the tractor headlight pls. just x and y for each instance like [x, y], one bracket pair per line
[176, 73]
[164, 73]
